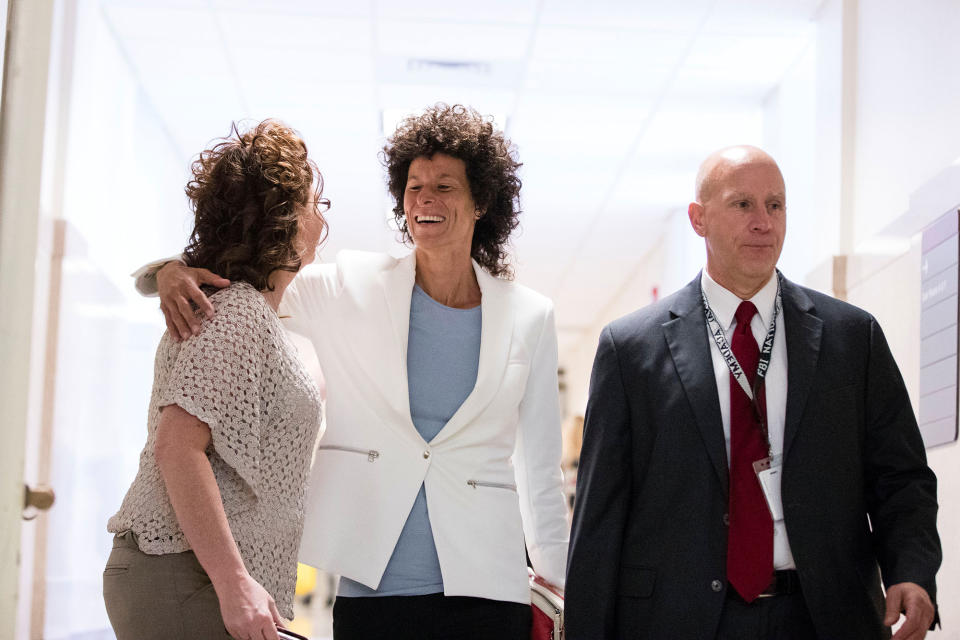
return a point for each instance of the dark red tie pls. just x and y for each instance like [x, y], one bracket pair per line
[750, 541]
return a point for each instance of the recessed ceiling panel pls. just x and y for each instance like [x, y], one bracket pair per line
[452, 40]
[679, 16]
[354, 8]
[762, 17]
[304, 79]
[287, 33]
[699, 131]
[145, 22]
[762, 59]
[614, 78]
[498, 11]
[642, 48]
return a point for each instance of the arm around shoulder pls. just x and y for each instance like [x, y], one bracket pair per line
[145, 278]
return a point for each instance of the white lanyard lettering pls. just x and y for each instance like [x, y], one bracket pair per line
[720, 337]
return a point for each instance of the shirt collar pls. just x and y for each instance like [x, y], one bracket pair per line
[724, 302]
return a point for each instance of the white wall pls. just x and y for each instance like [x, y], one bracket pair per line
[908, 98]
[122, 202]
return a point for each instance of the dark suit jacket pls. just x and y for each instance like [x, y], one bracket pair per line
[648, 548]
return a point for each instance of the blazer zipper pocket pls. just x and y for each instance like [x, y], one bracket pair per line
[371, 454]
[492, 485]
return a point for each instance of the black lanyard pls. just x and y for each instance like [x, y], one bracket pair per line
[766, 351]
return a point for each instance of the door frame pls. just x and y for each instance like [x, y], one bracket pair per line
[22, 127]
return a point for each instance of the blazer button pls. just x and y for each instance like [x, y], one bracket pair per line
[726, 519]
[717, 586]
[426, 455]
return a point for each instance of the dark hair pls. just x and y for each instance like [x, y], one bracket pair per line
[462, 133]
[246, 193]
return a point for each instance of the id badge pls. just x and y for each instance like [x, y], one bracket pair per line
[769, 472]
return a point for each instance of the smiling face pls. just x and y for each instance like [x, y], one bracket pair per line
[439, 207]
[741, 213]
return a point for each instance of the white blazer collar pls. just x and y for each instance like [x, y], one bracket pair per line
[496, 333]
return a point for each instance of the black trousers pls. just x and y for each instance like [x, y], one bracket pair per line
[781, 617]
[430, 617]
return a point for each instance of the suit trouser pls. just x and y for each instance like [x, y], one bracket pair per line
[430, 617]
[159, 597]
[780, 617]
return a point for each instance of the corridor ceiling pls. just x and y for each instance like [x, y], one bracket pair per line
[611, 103]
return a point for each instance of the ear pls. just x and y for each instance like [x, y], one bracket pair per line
[695, 212]
[479, 213]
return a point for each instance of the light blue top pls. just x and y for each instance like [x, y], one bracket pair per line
[443, 353]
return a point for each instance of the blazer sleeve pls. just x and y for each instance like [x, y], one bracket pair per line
[901, 490]
[543, 507]
[145, 278]
[305, 301]
[602, 501]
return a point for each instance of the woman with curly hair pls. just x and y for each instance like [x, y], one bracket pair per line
[206, 539]
[441, 456]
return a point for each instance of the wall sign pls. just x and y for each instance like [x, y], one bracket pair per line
[939, 270]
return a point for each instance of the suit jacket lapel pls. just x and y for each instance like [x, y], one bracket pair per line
[803, 331]
[496, 336]
[686, 336]
[398, 289]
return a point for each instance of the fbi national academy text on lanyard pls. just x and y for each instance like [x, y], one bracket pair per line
[769, 469]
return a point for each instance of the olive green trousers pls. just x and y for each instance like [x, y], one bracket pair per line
[159, 597]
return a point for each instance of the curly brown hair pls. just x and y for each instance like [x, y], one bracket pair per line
[246, 194]
[461, 132]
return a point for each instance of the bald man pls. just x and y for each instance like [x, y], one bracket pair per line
[751, 465]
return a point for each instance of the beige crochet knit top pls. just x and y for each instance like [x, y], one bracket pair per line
[242, 377]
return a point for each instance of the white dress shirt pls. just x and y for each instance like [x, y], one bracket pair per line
[724, 304]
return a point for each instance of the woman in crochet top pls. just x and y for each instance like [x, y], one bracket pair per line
[207, 535]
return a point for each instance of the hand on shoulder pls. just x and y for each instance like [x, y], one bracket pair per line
[178, 285]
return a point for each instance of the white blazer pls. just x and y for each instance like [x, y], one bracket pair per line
[492, 474]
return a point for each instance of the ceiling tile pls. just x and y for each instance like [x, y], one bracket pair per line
[302, 79]
[698, 131]
[762, 16]
[582, 124]
[615, 78]
[169, 25]
[500, 11]
[762, 59]
[680, 16]
[181, 86]
[452, 40]
[642, 48]
[287, 35]
[591, 75]
[354, 8]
